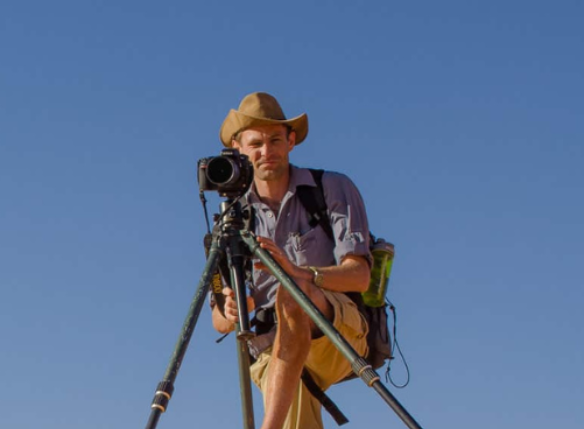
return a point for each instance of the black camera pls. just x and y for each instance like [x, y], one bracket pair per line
[230, 173]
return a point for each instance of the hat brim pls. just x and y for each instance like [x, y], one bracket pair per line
[237, 121]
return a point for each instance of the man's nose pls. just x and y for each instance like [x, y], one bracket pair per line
[266, 149]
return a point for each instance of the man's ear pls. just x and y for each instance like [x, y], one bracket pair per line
[235, 144]
[291, 140]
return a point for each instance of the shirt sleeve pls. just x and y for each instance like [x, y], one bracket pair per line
[348, 216]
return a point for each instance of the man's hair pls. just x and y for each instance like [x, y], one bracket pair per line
[237, 135]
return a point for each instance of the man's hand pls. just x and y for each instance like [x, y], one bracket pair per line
[230, 308]
[281, 258]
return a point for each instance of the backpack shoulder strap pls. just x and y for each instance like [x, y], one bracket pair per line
[314, 203]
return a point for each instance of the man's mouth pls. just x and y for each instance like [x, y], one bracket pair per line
[267, 163]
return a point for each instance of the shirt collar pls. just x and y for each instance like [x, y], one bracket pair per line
[298, 177]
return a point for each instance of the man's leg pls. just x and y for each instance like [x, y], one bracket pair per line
[324, 361]
[291, 346]
[305, 412]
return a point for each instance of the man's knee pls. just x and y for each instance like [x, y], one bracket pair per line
[314, 293]
[291, 312]
[288, 309]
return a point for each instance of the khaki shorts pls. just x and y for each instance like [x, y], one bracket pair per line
[325, 362]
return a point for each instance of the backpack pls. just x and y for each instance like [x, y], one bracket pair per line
[378, 338]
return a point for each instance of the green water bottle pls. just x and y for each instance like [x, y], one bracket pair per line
[382, 253]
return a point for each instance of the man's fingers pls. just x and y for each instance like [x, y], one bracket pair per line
[230, 308]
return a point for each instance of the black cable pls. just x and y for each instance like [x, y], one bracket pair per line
[204, 202]
[219, 217]
[395, 346]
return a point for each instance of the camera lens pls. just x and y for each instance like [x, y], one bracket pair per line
[221, 170]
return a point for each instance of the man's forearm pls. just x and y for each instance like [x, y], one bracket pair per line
[352, 275]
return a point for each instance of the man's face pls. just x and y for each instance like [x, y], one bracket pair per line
[267, 147]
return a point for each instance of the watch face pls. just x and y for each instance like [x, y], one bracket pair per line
[318, 279]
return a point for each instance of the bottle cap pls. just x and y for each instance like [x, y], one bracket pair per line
[381, 244]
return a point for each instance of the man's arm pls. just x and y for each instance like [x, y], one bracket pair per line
[352, 275]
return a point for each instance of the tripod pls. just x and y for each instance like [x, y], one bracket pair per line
[231, 240]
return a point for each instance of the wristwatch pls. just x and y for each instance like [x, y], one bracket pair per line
[318, 278]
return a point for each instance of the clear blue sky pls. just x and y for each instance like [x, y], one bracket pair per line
[461, 121]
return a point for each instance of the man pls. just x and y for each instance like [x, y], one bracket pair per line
[323, 269]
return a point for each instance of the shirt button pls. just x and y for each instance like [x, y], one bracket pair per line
[270, 214]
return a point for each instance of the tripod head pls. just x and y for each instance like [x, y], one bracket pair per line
[231, 215]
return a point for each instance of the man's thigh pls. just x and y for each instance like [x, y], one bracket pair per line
[326, 364]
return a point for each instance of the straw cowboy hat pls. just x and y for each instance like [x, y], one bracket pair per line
[256, 109]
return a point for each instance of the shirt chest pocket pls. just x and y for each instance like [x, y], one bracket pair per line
[313, 247]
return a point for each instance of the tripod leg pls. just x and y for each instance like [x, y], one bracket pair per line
[245, 384]
[235, 259]
[166, 386]
[359, 365]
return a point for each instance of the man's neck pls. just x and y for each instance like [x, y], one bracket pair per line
[272, 192]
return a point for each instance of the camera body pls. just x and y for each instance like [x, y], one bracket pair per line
[230, 174]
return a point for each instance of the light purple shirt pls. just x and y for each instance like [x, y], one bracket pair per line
[303, 244]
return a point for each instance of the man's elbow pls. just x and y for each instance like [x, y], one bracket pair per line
[364, 278]
[361, 272]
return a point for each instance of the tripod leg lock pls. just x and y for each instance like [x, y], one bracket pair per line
[365, 371]
[162, 396]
